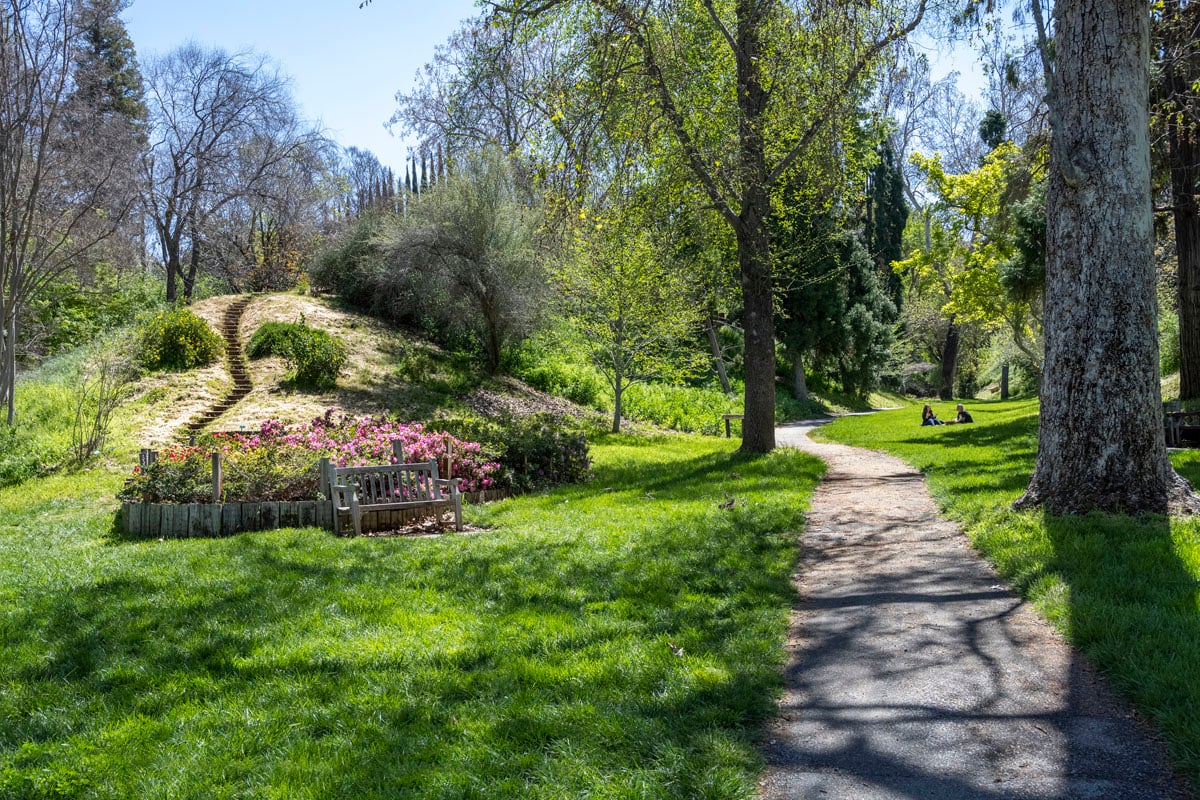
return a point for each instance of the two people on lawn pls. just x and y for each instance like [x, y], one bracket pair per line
[929, 418]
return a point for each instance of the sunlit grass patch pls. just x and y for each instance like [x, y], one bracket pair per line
[617, 639]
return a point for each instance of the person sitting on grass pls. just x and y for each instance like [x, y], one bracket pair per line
[928, 417]
[964, 416]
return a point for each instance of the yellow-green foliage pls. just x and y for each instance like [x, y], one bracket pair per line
[178, 339]
[967, 242]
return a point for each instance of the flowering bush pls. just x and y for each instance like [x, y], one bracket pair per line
[278, 462]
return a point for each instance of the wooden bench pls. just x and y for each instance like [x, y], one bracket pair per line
[1181, 428]
[388, 487]
[728, 418]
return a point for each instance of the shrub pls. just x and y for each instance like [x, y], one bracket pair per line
[177, 339]
[21, 457]
[269, 340]
[535, 451]
[315, 357]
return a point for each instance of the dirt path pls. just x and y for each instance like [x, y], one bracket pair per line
[915, 673]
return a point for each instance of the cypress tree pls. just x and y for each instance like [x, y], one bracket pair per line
[887, 216]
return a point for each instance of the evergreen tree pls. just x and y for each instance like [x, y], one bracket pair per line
[993, 128]
[107, 78]
[887, 216]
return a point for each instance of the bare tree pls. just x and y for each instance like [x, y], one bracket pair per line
[222, 125]
[59, 193]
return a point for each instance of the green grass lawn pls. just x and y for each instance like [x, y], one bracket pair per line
[616, 640]
[1125, 590]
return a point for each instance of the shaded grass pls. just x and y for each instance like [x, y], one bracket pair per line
[540, 659]
[1126, 590]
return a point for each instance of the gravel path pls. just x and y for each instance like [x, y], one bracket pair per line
[916, 673]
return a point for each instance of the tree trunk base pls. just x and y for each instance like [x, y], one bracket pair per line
[1181, 500]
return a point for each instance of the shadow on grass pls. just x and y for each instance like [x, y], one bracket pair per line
[580, 656]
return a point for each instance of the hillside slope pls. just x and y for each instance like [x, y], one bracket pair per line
[388, 371]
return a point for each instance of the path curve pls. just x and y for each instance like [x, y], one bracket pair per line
[914, 672]
[239, 370]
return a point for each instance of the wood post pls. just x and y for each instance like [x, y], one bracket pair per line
[323, 482]
[398, 451]
[218, 481]
[146, 457]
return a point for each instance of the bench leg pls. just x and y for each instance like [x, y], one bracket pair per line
[458, 511]
[356, 513]
[337, 519]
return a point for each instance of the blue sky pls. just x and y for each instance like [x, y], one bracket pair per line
[346, 64]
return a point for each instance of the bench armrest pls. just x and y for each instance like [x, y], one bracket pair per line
[343, 495]
[448, 483]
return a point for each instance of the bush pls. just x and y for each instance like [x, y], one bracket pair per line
[554, 362]
[533, 452]
[270, 339]
[21, 457]
[177, 339]
[315, 357]
[69, 313]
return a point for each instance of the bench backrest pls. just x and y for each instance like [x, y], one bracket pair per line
[391, 483]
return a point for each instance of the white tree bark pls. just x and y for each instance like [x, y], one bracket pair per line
[1101, 440]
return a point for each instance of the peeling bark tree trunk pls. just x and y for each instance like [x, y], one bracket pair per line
[1101, 443]
[949, 362]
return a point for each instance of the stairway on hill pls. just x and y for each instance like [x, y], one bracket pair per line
[238, 368]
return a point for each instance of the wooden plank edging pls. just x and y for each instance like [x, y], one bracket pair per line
[206, 520]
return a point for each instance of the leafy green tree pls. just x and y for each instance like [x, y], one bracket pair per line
[635, 311]
[746, 94]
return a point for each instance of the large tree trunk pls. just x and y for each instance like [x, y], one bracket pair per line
[753, 235]
[1101, 443]
[1183, 150]
[718, 359]
[949, 361]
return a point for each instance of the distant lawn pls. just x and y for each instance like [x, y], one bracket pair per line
[620, 639]
[1125, 590]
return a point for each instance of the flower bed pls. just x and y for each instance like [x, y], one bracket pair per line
[278, 462]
